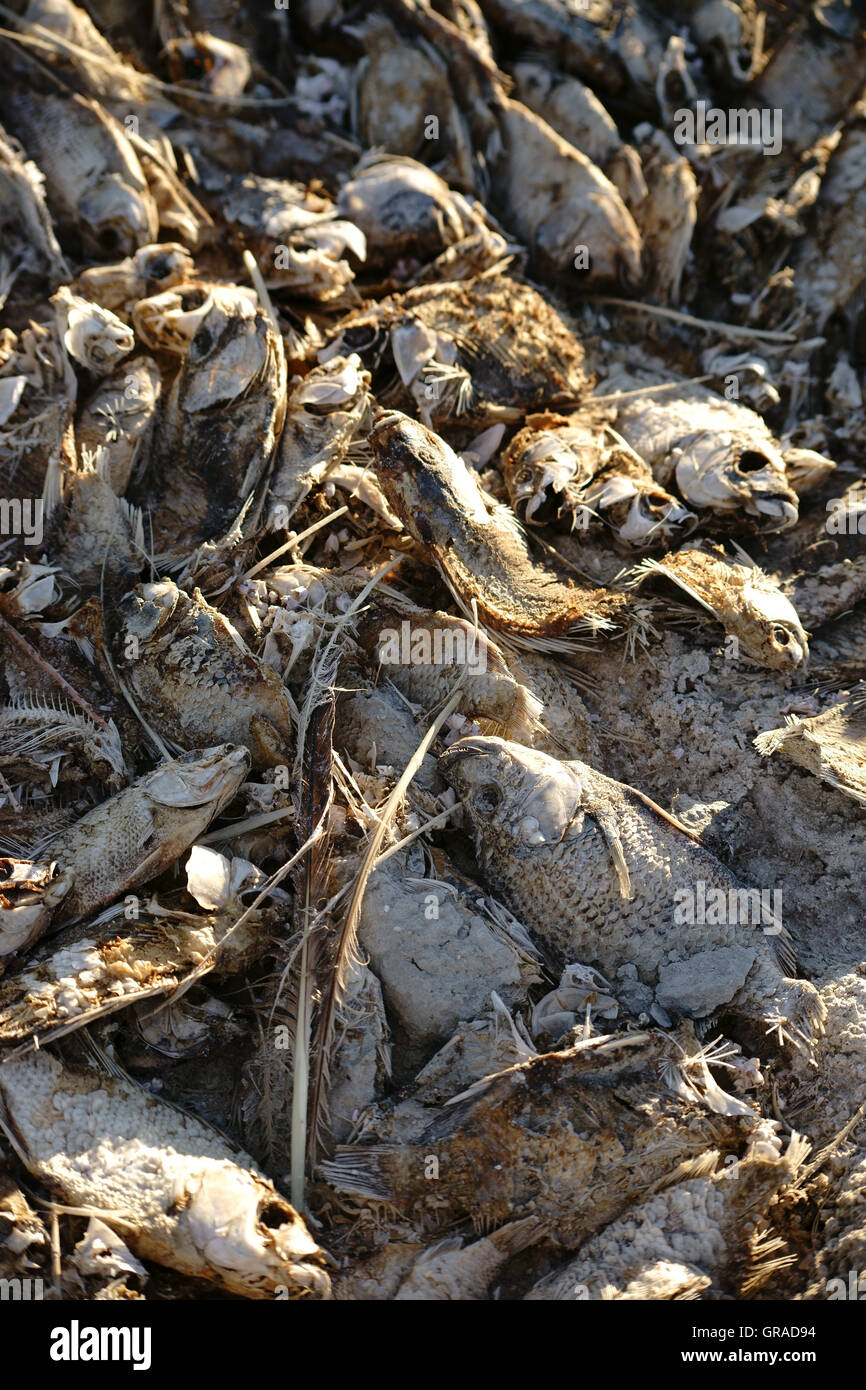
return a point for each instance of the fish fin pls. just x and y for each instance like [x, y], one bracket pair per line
[617, 853]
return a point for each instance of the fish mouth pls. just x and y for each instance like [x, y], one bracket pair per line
[475, 746]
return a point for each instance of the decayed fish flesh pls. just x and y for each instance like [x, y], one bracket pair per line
[194, 677]
[477, 544]
[753, 610]
[563, 469]
[594, 1118]
[831, 745]
[178, 1193]
[604, 876]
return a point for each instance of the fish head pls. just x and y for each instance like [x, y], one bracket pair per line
[249, 1238]
[539, 475]
[169, 321]
[228, 353]
[162, 265]
[94, 337]
[117, 218]
[771, 629]
[639, 513]
[218, 66]
[518, 799]
[146, 608]
[204, 777]
[729, 471]
[423, 479]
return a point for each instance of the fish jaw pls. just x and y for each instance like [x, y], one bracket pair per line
[726, 472]
[206, 777]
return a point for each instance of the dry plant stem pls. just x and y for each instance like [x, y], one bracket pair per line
[733, 330]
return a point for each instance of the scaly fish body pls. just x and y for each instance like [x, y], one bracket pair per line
[604, 877]
[142, 830]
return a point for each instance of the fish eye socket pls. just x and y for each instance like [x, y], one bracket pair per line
[487, 798]
[359, 338]
[782, 636]
[202, 342]
[752, 462]
[109, 239]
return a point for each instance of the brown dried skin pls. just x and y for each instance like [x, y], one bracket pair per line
[562, 470]
[119, 418]
[831, 746]
[499, 335]
[194, 679]
[222, 420]
[142, 830]
[750, 606]
[557, 201]
[693, 1236]
[94, 182]
[572, 1137]
[477, 545]
[100, 544]
[594, 869]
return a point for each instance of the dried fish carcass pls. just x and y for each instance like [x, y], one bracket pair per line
[325, 413]
[27, 236]
[604, 876]
[179, 1193]
[831, 745]
[720, 455]
[194, 678]
[563, 469]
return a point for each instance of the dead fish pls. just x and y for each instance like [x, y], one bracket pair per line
[297, 239]
[830, 266]
[720, 455]
[47, 740]
[94, 337]
[405, 209]
[221, 421]
[561, 205]
[131, 954]
[821, 60]
[38, 389]
[729, 35]
[177, 1192]
[666, 218]
[423, 653]
[477, 544]
[451, 1271]
[141, 831]
[325, 411]
[27, 233]
[753, 610]
[152, 270]
[605, 877]
[537, 1139]
[399, 84]
[563, 469]
[95, 186]
[832, 745]
[491, 349]
[194, 677]
[566, 725]
[100, 540]
[705, 1232]
[575, 112]
[168, 321]
[118, 420]
[220, 67]
[29, 893]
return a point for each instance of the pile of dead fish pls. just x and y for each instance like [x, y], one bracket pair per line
[366, 374]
